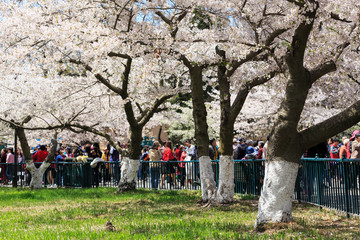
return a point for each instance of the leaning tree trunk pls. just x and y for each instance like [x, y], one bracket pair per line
[208, 185]
[36, 173]
[130, 164]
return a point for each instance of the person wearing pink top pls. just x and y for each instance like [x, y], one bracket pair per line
[10, 159]
[182, 166]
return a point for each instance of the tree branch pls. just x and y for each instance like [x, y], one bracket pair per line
[155, 107]
[139, 107]
[352, 78]
[99, 77]
[120, 55]
[164, 18]
[173, 25]
[321, 70]
[53, 145]
[253, 54]
[332, 126]
[99, 133]
[337, 17]
[244, 91]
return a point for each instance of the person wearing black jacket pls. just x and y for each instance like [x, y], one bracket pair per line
[240, 150]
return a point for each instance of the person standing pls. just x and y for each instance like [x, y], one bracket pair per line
[106, 157]
[154, 159]
[59, 168]
[334, 154]
[191, 167]
[355, 154]
[355, 147]
[3, 176]
[342, 149]
[261, 150]
[334, 149]
[240, 150]
[96, 153]
[10, 160]
[213, 150]
[168, 157]
[182, 169]
[40, 155]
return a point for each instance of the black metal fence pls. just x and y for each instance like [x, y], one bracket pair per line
[332, 183]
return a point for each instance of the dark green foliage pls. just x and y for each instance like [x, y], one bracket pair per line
[200, 19]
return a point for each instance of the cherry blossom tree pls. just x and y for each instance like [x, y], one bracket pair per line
[320, 46]
[106, 48]
[210, 28]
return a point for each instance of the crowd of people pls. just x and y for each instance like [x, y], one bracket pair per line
[62, 154]
[337, 148]
[163, 163]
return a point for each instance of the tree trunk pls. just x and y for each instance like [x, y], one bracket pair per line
[37, 175]
[208, 185]
[286, 145]
[130, 165]
[225, 192]
[277, 193]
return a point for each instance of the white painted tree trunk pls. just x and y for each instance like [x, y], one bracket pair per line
[37, 175]
[129, 172]
[225, 193]
[208, 185]
[278, 190]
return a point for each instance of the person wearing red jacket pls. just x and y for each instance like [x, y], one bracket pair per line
[40, 155]
[169, 168]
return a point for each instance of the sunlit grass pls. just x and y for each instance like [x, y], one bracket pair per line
[145, 214]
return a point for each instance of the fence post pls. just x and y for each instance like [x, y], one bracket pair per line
[254, 176]
[346, 186]
[319, 185]
[298, 182]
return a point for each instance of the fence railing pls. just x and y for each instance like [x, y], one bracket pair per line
[332, 183]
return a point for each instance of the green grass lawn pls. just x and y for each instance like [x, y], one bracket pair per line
[145, 214]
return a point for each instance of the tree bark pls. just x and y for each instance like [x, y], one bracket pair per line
[225, 192]
[36, 173]
[285, 144]
[276, 196]
[130, 164]
[208, 185]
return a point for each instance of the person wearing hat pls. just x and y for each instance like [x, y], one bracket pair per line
[343, 151]
[349, 145]
[355, 153]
